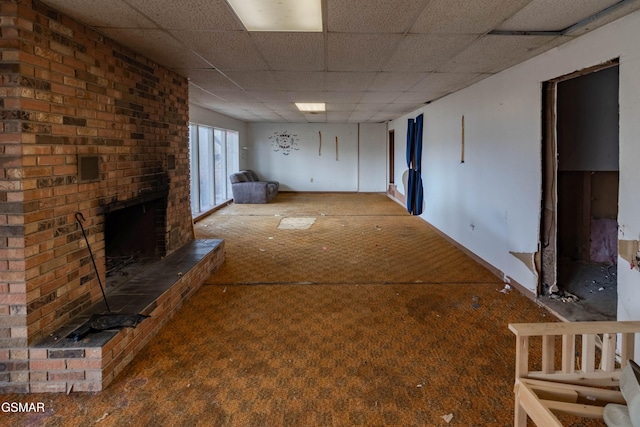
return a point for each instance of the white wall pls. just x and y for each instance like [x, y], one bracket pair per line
[202, 116]
[373, 167]
[358, 166]
[491, 203]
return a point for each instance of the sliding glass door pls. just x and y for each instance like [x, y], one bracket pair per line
[214, 156]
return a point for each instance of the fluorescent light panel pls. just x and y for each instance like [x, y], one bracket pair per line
[310, 107]
[279, 15]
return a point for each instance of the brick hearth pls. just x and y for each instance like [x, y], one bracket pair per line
[59, 364]
[69, 94]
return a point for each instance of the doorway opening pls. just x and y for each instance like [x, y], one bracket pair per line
[579, 229]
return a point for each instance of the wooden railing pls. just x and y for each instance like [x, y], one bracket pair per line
[596, 338]
[568, 381]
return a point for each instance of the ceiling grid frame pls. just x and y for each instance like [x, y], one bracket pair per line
[205, 41]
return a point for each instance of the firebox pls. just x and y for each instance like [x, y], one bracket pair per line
[134, 235]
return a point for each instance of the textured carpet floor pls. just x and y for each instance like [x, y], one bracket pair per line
[364, 238]
[366, 318]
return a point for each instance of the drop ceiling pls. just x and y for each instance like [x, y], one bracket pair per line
[374, 61]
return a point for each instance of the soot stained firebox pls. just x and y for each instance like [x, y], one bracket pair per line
[134, 236]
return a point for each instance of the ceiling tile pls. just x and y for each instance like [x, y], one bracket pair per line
[255, 107]
[271, 116]
[348, 82]
[426, 52]
[360, 116]
[342, 97]
[211, 80]
[291, 51]
[236, 96]
[316, 118]
[272, 95]
[247, 116]
[493, 53]
[447, 82]
[383, 116]
[192, 15]
[231, 50]
[359, 52]
[291, 116]
[255, 80]
[418, 97]
[256, 76]
[300, 81]
[394, 82]
[379, 97]
[202, 97]
[338, 117]
[464, 16]
[343, 107]
[111, 14]
[226, 106]
[284, 107]
[157, 45]
[368, 108]
[308, 96]
[553, 15]
[400, 108]
[361, 16]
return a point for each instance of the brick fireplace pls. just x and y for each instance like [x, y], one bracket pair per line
[70, 100]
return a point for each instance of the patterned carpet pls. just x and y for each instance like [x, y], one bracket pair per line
[364, 238]
[366, 318]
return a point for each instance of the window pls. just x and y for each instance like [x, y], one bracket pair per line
[214, 156]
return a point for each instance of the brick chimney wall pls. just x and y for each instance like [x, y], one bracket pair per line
[66, 90]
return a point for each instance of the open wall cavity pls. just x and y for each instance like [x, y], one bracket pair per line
[581, 174]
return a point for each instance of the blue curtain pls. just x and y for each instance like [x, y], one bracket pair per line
[410, 157]
[414, 163]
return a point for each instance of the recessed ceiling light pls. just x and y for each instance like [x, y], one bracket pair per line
[279, 15]
[310, 107]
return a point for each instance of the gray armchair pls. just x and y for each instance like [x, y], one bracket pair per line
[247, 188]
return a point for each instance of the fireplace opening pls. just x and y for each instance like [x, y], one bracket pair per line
[134, 238]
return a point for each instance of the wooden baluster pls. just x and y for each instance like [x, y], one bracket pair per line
[548, 353]
[608, 362]
[522, 356]
[627, 346]
[588, 352]
[568, 354]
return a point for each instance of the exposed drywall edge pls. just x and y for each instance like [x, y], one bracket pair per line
[527, 259]
[629, 251]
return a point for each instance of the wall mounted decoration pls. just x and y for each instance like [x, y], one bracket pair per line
[336, 148]
[320, 144]
[284, 142]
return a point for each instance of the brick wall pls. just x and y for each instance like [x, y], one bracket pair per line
[65, 90]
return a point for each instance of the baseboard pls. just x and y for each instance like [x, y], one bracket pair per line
[494, 270]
